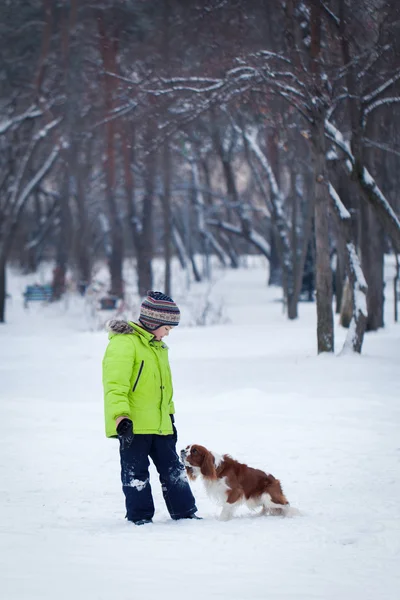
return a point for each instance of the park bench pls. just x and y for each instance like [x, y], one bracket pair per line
[108, 303]
[37, 293]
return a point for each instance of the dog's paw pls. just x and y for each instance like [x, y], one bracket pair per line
[291, 511]
[285, 511]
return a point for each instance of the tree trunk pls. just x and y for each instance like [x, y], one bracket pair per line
[166, 204]
[196, 272]
[325, 332]
[323, 275]
[179, 246]
[305, 276]
[230, 249]
[140, 226]
[82, 254]
[63, 237]
[275, 268]
[115, 258]
[373, 245]
[275, 264]
[372, 260]
[357, 286]
[82, 248]
[166, 197]
[3, 291]
[339, 275]
[396, 288]
[145, 241]
[108, 49]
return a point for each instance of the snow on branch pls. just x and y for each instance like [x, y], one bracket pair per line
[381, 146]
[252, 236]
[289, 90]
[377, 104]
[340, 207]
[184, 88]
[369, 182]
[45, 168]
[332, 15]
[291, 101]
[238, 72]
[191, 80]
[39, 135]
[290, 75]
[116, 113]
[268, 54]
[373, 59]
[30, 113]
[369, 97]
[337, 137]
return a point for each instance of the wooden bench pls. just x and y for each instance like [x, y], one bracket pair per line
[37, 293]
[108, 303]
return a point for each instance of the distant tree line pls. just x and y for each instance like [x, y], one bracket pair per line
[178, 128]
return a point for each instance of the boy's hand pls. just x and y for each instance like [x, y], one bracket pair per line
[125, 432]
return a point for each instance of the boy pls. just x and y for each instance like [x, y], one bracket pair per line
[140, 411]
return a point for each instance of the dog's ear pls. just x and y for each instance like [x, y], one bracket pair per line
[208, 467]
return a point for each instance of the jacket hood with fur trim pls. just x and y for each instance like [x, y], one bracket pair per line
[119, 326]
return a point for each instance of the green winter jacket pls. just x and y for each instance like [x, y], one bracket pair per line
[137, 380]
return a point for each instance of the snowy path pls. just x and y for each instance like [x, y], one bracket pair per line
[328, 427]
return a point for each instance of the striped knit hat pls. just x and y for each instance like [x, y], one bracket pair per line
[157, 310]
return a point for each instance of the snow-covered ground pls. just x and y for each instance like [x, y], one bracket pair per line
[327, 426]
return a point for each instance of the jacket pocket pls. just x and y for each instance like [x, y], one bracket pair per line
[138, 375]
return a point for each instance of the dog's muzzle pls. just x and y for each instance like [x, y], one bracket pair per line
[183, 456]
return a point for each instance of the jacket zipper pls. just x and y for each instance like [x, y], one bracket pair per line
[138, 375]
[161, 387]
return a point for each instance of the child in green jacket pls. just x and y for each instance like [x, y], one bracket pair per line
[139, 410]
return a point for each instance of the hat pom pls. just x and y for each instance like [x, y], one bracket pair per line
[159, 296]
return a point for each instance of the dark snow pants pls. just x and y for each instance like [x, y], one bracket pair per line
[136, 480]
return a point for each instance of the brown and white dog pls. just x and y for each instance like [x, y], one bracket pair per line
[231, 483]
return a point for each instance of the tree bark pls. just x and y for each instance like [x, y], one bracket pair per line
[166, 196]
[145, 240]
[108, 46]
[3, 291]
[396, 288]
[325, 332]
[372, 260]
[63, 238]
[230, 249]
[339, 274]
[83, 258]
[357, 283]
[166, 205]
